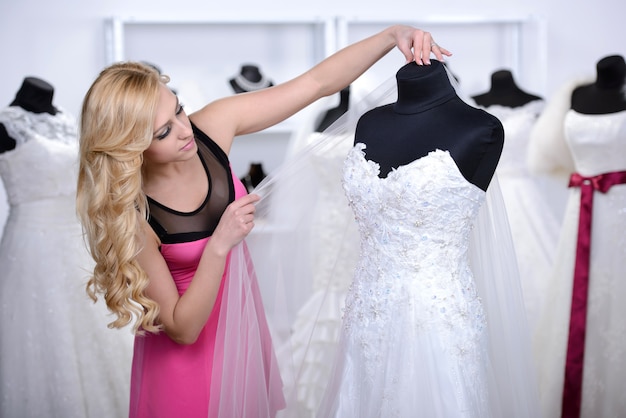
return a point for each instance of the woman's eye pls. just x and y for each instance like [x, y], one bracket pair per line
[165, 133]
[167, 130]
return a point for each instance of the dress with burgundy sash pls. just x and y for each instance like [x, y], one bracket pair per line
[582, 360]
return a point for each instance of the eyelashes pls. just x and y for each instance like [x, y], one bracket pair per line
[164, 134]
[168, 129]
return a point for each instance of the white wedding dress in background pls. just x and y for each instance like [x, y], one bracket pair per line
[598, 145]
[58, 358]
[315, 331]
[528, 198]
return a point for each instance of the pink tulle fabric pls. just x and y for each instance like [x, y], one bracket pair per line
[231, 370]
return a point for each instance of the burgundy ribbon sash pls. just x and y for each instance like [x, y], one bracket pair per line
[572, 390]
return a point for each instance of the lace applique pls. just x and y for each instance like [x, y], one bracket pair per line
[44, 163]
[23, 126]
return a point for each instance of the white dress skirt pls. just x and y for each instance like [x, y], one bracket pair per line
[58, 359]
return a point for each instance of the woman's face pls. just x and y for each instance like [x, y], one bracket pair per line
[173, 138]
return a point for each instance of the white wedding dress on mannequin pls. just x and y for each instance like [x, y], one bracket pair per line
[58, 357]
[597, 144]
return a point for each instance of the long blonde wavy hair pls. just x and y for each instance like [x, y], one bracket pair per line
[116, 127]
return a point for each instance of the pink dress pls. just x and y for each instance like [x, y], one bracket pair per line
[231, 370]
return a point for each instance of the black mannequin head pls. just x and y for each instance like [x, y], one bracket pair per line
[35, 95]
[504, 92]
[421, 87]
[606, 94]
[611, 72]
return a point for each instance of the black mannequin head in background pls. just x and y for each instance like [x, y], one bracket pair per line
[35, 95]
[504, 92]
[607, 94]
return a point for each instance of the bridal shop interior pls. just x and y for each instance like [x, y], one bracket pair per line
[202, 45]
[539, 50]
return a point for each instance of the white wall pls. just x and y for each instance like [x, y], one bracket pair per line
[63, 42]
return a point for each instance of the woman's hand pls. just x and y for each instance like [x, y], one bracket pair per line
[235, 224]
[417, 45]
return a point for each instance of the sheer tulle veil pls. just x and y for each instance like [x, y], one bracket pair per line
[291, 264]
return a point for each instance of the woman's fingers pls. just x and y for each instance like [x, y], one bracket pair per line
[417, 45]
[439, 51]
[428, 46]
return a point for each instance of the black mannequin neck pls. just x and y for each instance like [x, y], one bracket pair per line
[335, 113]
[502, 82]
[504, 92]
[611, 72]
[35, 95]
[422, 90]
[607, 94]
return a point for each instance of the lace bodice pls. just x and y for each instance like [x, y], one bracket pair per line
[45, 159]
[415, 227]
[597, 142]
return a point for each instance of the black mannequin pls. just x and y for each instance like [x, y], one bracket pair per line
[607, 94]
[335, 113]
[35, 95]
[254, 176]
[428, 116]
[456, 77]
[504, 92]
[249, 79]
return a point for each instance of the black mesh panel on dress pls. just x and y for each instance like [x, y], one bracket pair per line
[174, 227]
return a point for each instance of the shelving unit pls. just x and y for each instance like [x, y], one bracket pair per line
[116, 29]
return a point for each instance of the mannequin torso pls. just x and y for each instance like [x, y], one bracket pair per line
[504, 92]
[429, 115]
[35, 95]
[607, 94]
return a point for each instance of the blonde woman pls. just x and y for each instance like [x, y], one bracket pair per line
[165, 220]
